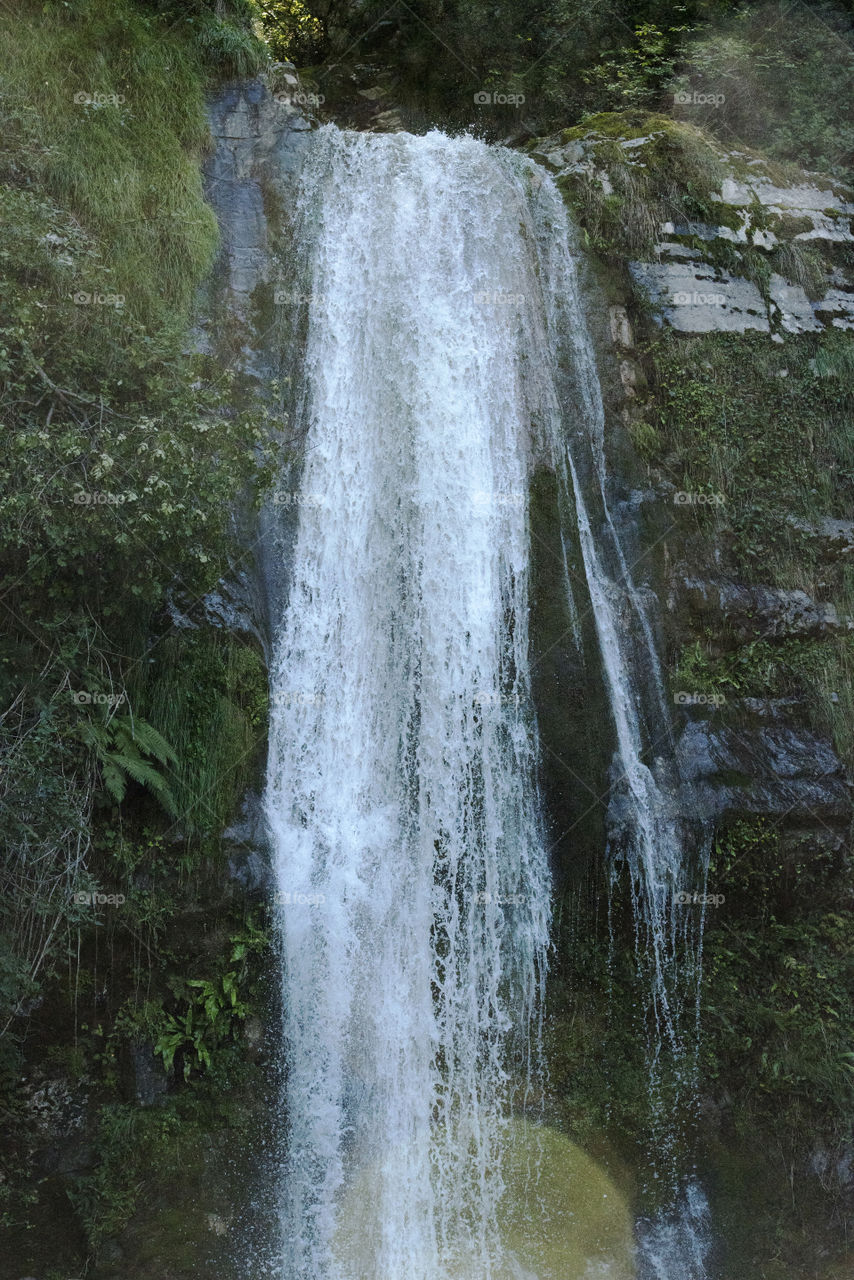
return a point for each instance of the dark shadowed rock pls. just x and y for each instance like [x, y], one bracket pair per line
[766, 613]
[150, 1081]
[775, 769]
[259, 139]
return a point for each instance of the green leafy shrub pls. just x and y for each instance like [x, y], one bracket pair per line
[208, 694]
[212, 1014]
[784, 81]
[637, 75]
[123, 456]
[121, 745]
[293, 32]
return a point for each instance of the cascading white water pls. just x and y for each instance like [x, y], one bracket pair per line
[652, 845]
[401, 798]
[668, 943]
[401, 794]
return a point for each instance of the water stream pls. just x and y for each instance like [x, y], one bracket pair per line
[446, 357]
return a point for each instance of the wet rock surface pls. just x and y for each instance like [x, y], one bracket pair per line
[699, 298]
[690, 280]
[777, 769]
[757, 612]
[767, 259]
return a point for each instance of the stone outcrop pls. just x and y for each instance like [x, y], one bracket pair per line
[835, 537]
[756, 612]
[259, 133]
[777, 770]
[692, 277]
[697, 297]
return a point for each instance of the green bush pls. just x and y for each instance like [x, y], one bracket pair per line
[123, 458]
[293, 32]
[784, 77]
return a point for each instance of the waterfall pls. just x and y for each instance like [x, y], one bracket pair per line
[643, 813]
[439, 286]
[401, 797]
[648, 839]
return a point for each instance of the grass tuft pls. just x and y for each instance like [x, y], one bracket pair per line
[115, 141]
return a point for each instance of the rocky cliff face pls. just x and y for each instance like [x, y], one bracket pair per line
[259, 130]
[721, 304]
[697, 273]
[703, 254]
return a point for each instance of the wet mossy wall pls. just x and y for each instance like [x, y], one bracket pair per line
[758, 433]
[576, 733]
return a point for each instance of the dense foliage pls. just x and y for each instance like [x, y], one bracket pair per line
[128, 726]
[777, 77]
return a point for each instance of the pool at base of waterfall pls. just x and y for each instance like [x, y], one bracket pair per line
[561, 1217]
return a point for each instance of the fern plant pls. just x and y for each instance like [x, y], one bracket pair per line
[211, 1011]
[213, 1014]
[125, 747]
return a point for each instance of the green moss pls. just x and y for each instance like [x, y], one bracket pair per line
[672, 176]
[115, 140]
[727, 215]
[618, 125]
[765, 426]
[646, 439]
[129, 1144]
[775, 1040]
[597, 1067]
[786, 227]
